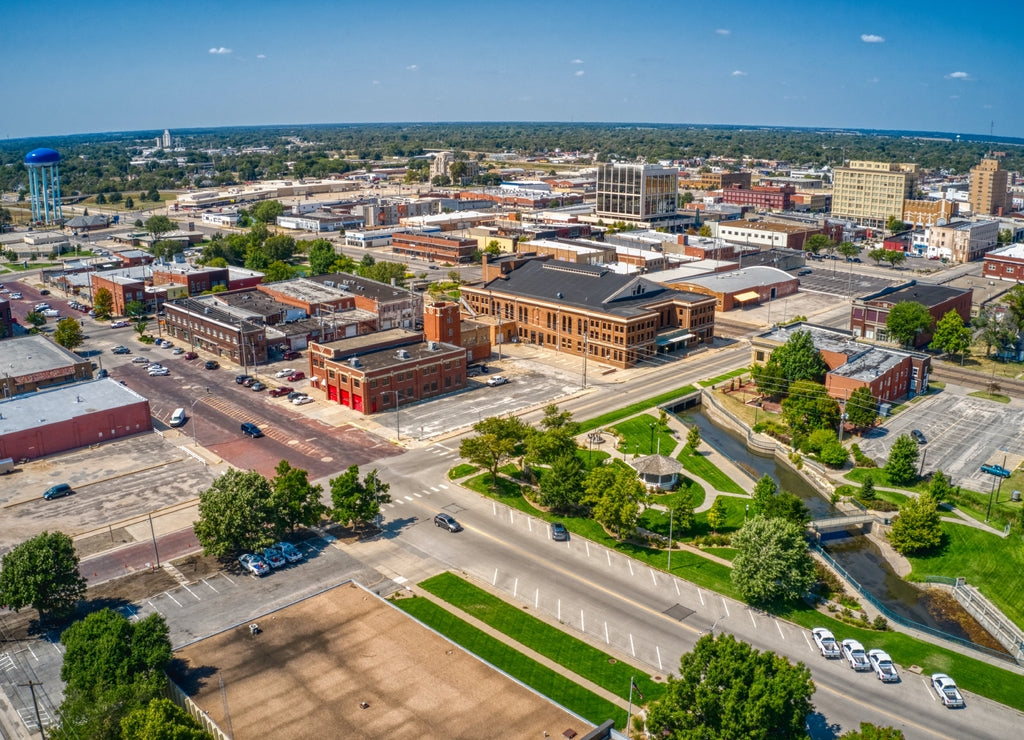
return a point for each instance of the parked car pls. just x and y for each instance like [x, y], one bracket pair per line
[240, 379]
[302, 400]
[856, 656]
[297, 375]
[497, 380]
[883, 666]
[803, 272]
[57, 491]
[44, 291]
[254, 564]
[159, 372]
[946, 688]
[140, 360]
[558, 532]
[119, 350]
[918, 436]
[247, 383]
[102, 373]
[191, 355]
[274, 558]
[997, 470]
[257, 386]
[826, 642]
[251, 430]
[211, 365]
[292, 355]
[178, 417]
[178, 351]
[448, 522]
[278, 392]
[291, 553]
[284, 373]
[295, 394]
[120, 324]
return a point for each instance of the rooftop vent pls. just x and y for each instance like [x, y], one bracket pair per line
[353, 362]
[402, 354]
[433, 346]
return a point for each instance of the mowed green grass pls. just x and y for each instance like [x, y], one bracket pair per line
[991, 563]
[542, 679]
[555, 644]
[702, 467]
[634, 408]
[638, 438]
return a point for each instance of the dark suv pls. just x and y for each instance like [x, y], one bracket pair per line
[447, 522]
[61, 489]
[251, 430]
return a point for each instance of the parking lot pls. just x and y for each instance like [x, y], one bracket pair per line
[962, 433]
[836, 278]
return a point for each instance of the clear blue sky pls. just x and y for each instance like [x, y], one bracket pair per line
[87, 66]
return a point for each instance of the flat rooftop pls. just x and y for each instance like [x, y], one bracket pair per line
[35, 354]
[315, 662]
[741, 279]
[66, 402]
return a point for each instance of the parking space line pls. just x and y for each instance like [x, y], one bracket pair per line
[511, 517]
[928, 688]
[726, 607]
[752, 620]
[408, 498]
[606, 639]
[168, 595]
[632, 647]
[529, 523]
[676, 584]
[211, 586]
[609, 554]
[653, 578]
[153, 607]
[583, 627]
[495, 581]
[701, 597]
[191, 592]
[588, 547]
[629, 562]
[536, 599]
[779, 626]
[809, 645]
[442, 486]
[658, 651]
[433, 488]
[417, 495]
[515, 589]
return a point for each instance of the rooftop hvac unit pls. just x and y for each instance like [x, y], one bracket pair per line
[402, 354]
[432, 346]
[353, 362]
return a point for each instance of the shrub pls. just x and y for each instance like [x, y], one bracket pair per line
[860, 459]
[834, 454]
[880, 623]
[817, 440]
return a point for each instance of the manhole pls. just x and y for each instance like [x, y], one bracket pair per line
[678, 612]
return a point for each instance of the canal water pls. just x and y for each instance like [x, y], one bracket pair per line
[859, 556]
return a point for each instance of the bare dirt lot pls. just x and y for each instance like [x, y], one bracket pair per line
[314, 664]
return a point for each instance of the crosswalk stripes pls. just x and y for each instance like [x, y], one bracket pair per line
[6, 662]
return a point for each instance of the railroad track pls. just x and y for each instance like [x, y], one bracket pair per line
[981, 381]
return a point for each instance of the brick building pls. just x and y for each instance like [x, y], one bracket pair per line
[749, 286]
[764, 234]
[962, 241]
[869, 313]
[434, 247]
[6, 322]
[34, 362]
[890, 374]
[395, 307]
[778, 198]
[589, 310]
[1006, 263]
[123, 288]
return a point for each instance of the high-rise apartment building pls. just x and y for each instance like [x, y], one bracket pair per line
[871, 193]
[638, 193]
[989, 189]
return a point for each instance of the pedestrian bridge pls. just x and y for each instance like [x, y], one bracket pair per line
[835, 523]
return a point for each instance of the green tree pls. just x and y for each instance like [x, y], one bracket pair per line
[862, 408]
[684, 517]
[111, 668]
[562, 487]
[726, 689]
[279, 247]
[321, 256]
[129, 203]
[103, 303]
[952, 336]
[895, 224]
[918, 528]
[165, 249]
[267, 211]
[686, 198]
[769, 502]
[159, 225]
[493, 248]
[808, 407]
[36, 319]
[161, 719]
[383, 272]
[614, 494]
[704, 230]
[817, 242]
[764, 491]
[848, 249]
[770, 379]
[693, 438]
[868, 731]
[101, 199]
[867, 488]
[773, 562]
[906, 320]
[42, 572]
[901, 465]
[235, 514]
[115, 197]
[834, 454]
[498, 438]
[940, 487]
[278, 271]
[716, 514]
[69, 333]
[140, 326]
[797, 359]
[134, 308]
[895, 257]
[295, 501]
[878, 254]
[357, 501]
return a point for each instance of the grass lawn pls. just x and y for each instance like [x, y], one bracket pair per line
[702, 467]
[993, 564]
[575, 655]
[999, 397]
[637, 437]
[621, 413]
[729, 553]
[16, 266]
[724, 376]
[541, 678]
[658, 521]
[461, 471]
[974, 675]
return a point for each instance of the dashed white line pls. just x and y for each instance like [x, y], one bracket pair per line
[442, 485]
[408, 498]
[417, 495]
[433, 488]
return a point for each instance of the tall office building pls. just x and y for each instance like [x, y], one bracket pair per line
[990, 194]
[638, 193]
[871, 193]
[166, 139]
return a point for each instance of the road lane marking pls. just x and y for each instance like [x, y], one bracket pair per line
[515, 589]
[536, 599]
[583, 627]
[632, 647]
[587, 544]
[606, 639]
[658, 651]
[417, 495]
[629, 562]
[529, 523]
[809, 645]
[559, 610]
[442, 485]
[511, 517]
[408, 498]
[434, 489]
[494, 508]
[608, 554]
[495, 581]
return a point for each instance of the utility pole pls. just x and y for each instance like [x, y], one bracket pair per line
[671, 515]
[35, 704]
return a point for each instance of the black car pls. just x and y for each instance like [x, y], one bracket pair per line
[251, 430]
[295, 394]
[918, 436]
[61, 489]
[211, 365]
[448, 522]
[558, 532]
[240, 379]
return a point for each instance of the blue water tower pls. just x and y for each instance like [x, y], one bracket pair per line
[44, 185]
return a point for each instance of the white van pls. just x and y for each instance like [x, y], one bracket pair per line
[177, 418]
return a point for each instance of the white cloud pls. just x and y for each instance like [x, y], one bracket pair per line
[413, 67]
[738, 73]
[722, 31]
[958, 76]
[576, 61]
[220, 50]
[579, 73]
[873, 80]
[872, 38]
[261, 56]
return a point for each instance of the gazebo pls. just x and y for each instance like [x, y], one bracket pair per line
[658, 471]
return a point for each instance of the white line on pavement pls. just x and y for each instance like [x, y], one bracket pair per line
[515, 589]
[608, 554]
[583, 627]
[726, 607]
[191, 592]
[153, 607]
[168, 595]
[442, 485]
[607, 641]
[416, 495]
[495, 581]
[494, 508]
[511, 517]
[809, 645]
[752, 618]
[701, 597]
[588, 547]
[433, 488]
[228, 580]
[629, 562]
[408, 498]
[779, 626]
[658, 651]
[529, 523]
[536, 599]
[653, 578]
[632, 647]
[676, 584]
[559, 610]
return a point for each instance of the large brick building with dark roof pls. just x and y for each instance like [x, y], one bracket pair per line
[869, 313]
[590, 310]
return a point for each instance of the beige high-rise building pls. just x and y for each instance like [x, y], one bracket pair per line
[871, 193]
[989, 189]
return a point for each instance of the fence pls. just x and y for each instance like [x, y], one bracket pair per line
[179, 697]
[988, 614]
[898, 619]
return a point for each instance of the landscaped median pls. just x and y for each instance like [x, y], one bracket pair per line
[540, 678]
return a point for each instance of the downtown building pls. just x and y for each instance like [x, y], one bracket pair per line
[871, 193]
